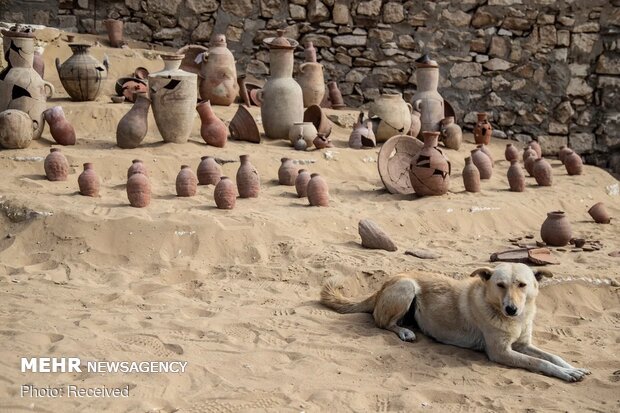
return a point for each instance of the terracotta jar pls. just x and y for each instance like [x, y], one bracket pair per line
[16, 129]
[321, 142]
[38, 62]
[529, 152]
[82, 75]
[483, 130]
[416, 124]
[451, 133]
[511, 153]
[139, 190]
[335, 97]
[430, 169]
[212, 129]
[529, 163]
[516, 177]
[60, 128]
[186, 183]
[536, 146]
[56, 166]
[306, 130]
[427, 99]
[209, 171]
[243, 91]
[471, 176]
[225, 194]
[287, 173]
[137, 166]
[312, 83]
[483, 163]
[564, 150]
[248, 181]
[390, 116]
[556, 230]
[317, 191]
[573, 163]
[88, 181]
[115, 32]
[173, 94]
[301, 183]
[310, 53]
[599, 213]
[487, 152]
[21, 87]
[543, 172]
[319, 119]
[282, 98]
[362, 135]
[219, 74]
[132, 127]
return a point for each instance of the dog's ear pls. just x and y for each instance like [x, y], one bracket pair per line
[484, 273]
[539, 274]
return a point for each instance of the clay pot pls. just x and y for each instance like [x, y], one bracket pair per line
[564, 150]
[248, 181]
[556, 230]
[483, 163]
[487, 152]
[82, 75]
[315, 114]
[310, 53]
[516, 177]
[511, 153]
[471, 176]
[362, 135]
[137, 166]
[173, 94]
[390, 116]
[312, 83]
[192, 57]
[38, 63]
[88, 181]
[483, 130]
[573, 163]
[452, 133]
[427, 100]
[394, 162]
[287, 173]
[139, 190]
[536, 146]
[209, 171]
[115, 32]
[56, 166]
[301, 183]
[212, 129]
[305, 130]
[131, 88]
[300, 144]
[243, 126]
[529, 163]
[599, 213]
[529, 152]
[225, 194]
[317, 191]
[243, 91]
[132, 127]
[186, 183]
[416, 124]
[60, 128]
[219, 74]
[543, 172]
[335, 97]
[321, 142]
[430, 168]
[16, 129]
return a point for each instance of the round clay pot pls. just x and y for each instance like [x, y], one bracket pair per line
[317, 191]
[564, 150]
[573, 163]
[317, 116]
[16, 129]
[243, 127]
[543, 172]
[529, 163]
[394, 162]
[132, 127]
[452, 133]
[556, 230]
[225, 194]
[115, 32]
[287, 173]
[362, 135]
[212, 129]
[139, 190]
[471, 176]
[516, 177]
[390, 116]
[483, 163]
[529, 151]
[301, 183]
[88, 181]
[487, 152]
[248, 181]
[321, 142]
[56, 166]
[599, 213]
[300, 144]
[536, 146]
[312, 83]
[416, 124]
[310, 53]
[219, 74]
[335, 97]
[186, 183]
[483, 130]
[430, 169]
[137, 166]
[305, 130]
[209, 171]
[60, 128]
[82, 75]
[511, 153]
[427, 100]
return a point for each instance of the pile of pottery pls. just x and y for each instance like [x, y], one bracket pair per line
[310, 185]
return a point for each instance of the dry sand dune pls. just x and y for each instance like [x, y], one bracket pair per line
[234, 293]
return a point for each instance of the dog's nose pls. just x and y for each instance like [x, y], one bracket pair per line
[511, 310]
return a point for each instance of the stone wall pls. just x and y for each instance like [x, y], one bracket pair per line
[543, 68]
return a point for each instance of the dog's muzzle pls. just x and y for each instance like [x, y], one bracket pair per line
[511, 310]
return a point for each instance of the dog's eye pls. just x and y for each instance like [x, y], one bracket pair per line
[522, 285]
[500, 285]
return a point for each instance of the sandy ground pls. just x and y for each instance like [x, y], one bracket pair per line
[234, 293]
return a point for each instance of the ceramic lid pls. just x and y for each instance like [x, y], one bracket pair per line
[167, 56]
[280, 42]
[425, 61]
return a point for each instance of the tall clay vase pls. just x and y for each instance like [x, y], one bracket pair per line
[483, 163]
[56, 166]
[556, 229]
[573, 163]
[248, 181]
[312, 83]
[173, 95]
[471, 176]
[287, 173]
[282, 97]
[516, 177]
[219, 74]
[536, 146]
[335, 96]
[599, 213]
[137, 166]
[209, 172]
[310, 53]
[564, 150]
[301, 183]
[543, 172]
[430, 169]
[362, 135]
[483, 130]
[212, 129]
[88, 181]
[132, 127]
[317, 191]
[21, 87]
[451, 133]
[225, 194]
[82, 75]
[115, 32]
[60, 128]
[511, 153]
[390, 116]
[139, 190]
[186, 182]
[427, 99]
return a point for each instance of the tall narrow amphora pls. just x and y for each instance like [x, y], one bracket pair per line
[427, 99]
[173, 94]
[219, 74]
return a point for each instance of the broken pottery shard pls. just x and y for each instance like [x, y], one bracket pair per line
[373, 237]
[541, 256]
[514, 255]
[614, 254]
[423, 254]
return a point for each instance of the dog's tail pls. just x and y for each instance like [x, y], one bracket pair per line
[332, 297]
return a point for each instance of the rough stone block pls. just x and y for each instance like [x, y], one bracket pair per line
[169, 7]
[203, 32]
[582, 142]
[393, 12]
[466, 70]
[608, 64]
[369, 8]
[241, 8]
[138, 31]
[297, 12]
[350, 40]
[317, 12]
[551, 144]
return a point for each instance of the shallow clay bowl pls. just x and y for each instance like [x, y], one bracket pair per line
[394, 162]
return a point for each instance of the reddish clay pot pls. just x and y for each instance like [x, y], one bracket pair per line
[529, 161]
[317, 191]
[209, 172]
[56, 166]
[516, 177]
[301, 183]
[536, 146]
[430, 168]
[60, 128]
[335, 97]
[132, 127]
[487, 152]
[483, 163]
[599, 213]
[137, 166]
[139, 190]
[310, 53]
[471, 176]
[529, 151]
[543, 172]
[248, 181]
[556, 230]
[564, 150]
[225, 194]
[212, 129]
[511, 153]
[88, 181]
[573, 163]
[287, 172]
[451, 132]
[115, 32]
[186, 182]
[483, 130]
[362, 135]
[321, 142]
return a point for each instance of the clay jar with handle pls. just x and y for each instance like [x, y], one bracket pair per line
[317, 191]
[301, 183]
[451, 133]
[543, 172]
[483, 130]
[219, 74]
[556, 229]
[132, 127]
[139, 190]
[209, 171]
[225, 194]
[282, 97]
[173, 94]
[573, 163]
[306, 130]
[16, 129]
[212, 129]
[56, 166]
[483, 163]
[60, 128]
[137, 166]
[82, 75]
[312, 83]
[186, 182]
[115, 32]
[430, 169]
[248, 181]
[390, 116]
[88, 181]
[471, 176]
[427, 99]
[511, 153]
[287, 173]
[516, 177]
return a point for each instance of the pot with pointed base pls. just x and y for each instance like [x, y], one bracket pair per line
[132, 127]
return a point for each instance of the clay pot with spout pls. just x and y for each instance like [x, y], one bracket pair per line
[471, 176]
[483, 130]
[88, 181]
[430, 169]
[556, 229]
[56, 166]
[451, 133]
[483, 163]
[186, 182]
[225, 194]
[317, 191]
[16, 129]
[362, 135]
[248, 181]
[312, 83]
[82, 75]
[219, 74]
[115, 32]
[132, 127]
[390, 116]
[213, 130]
[516, 177]
[287, 173]
[60, 128]
[427, 99]
[209, 171]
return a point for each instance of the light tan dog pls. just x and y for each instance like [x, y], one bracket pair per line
[493, 312]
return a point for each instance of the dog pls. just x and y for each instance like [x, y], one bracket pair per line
[492, 311]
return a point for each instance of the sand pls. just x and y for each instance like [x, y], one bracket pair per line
[234, 293]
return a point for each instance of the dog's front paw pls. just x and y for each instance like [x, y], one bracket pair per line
[406, 335]
[575, 374]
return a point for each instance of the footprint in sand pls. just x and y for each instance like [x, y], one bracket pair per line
[152, 344]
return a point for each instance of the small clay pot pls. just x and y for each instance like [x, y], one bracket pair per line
[60, 128]
[117, 99]
[452, 133]
[307, 130]
[88, 181]
[317, 191]
[212, 129]
[543, 172]
[471, 176]
[516, 177]
[225, 194]
[56, 166]
[287, 172]
[564, 150]
[536, 146]
[115, 32]
[209, 171]
[487, 152]
[529, 151]
[310, 53]
[301, 183]
[529, 163]
[483, 130]
[248, 181]
[573, 163]
[483, 163]
[511, 153]
[556, 230]
[322, 142]
[186, 182]
[300, 144]
[335, 97]
[137, 166]
[139, 190]
[599, 213]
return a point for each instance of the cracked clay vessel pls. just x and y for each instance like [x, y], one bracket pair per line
[219, 74]
[82, 75]
[430, 169]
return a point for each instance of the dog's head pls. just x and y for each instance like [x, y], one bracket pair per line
[509, 287]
